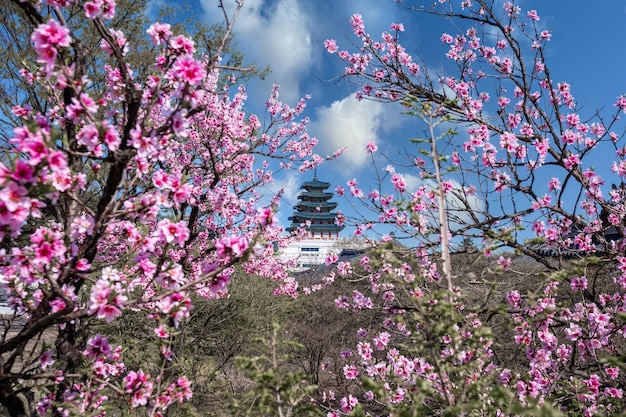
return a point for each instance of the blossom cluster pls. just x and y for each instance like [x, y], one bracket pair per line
[521, 170]
[134, 197]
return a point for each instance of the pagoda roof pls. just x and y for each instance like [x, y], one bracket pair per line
[313, 216]
[326, 227]
[313, 194]
[317, 227]
[315, 204]
[315, 183]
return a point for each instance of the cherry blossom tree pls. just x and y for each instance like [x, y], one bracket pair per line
[133, 199]
[516, 170]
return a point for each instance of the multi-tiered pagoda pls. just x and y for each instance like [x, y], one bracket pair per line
[314, 213]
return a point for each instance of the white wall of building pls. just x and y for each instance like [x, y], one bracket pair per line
[309, 252]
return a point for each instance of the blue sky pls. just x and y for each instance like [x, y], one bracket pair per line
[586, 50]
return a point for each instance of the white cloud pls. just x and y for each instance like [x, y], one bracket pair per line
[459, 203]
[350, 123]
[278, 35]
[290, 183]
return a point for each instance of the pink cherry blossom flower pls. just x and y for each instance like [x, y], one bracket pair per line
[344, 268]
[371, 147]
[357, 24]
[13, 196]
[231, 245]
[140, 386]
[571, 161]
[47, 39]
[350, 372]
[121, 43]
[348, 403]
[397, 27]
[398, 182]
[331, 258]
[46, 359]
[92, 9]
[546, 35]
[579, 283]
[182, 45]
[532, 14]
[554, 184]
[382, 340]
[504, 262]
[331, 45]
[89, 137]
[161, 332]
[97, 347]
[188, 70]
[23, 172]
[159, 33]
[111, 137]
[174, 232]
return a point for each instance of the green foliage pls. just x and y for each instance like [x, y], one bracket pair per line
[278, 390]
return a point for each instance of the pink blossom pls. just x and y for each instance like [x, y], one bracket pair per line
[161, 332]
[331, 258]
[513, 298]
[188, 70]
[111, 137]
[14, 196]
[47, 39]
[344, 268]
[446, 38]
[331, 45]
[504, 262]
[613, 372]
[121, 44]
[532, 14]
[97, 347]
[571, 161]
[100, 8]
[398, 182]
[105, 300]
[382, 340]
[621, 103]
[92, 9]
[139, 385]
[23, 172]
[231, 245]
[182, 45]
[546, 35]
[89, 136]
[357, 24]
[397, 27]
[348, 403]
[554, 184]
[159, 33]
[350, 372]
[614, 392]
[46, 359]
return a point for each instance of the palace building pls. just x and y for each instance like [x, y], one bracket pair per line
[314, 212]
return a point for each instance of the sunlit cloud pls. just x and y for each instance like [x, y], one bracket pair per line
[289, 182]
[460, 203]
[352, 123]
[276, 34]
